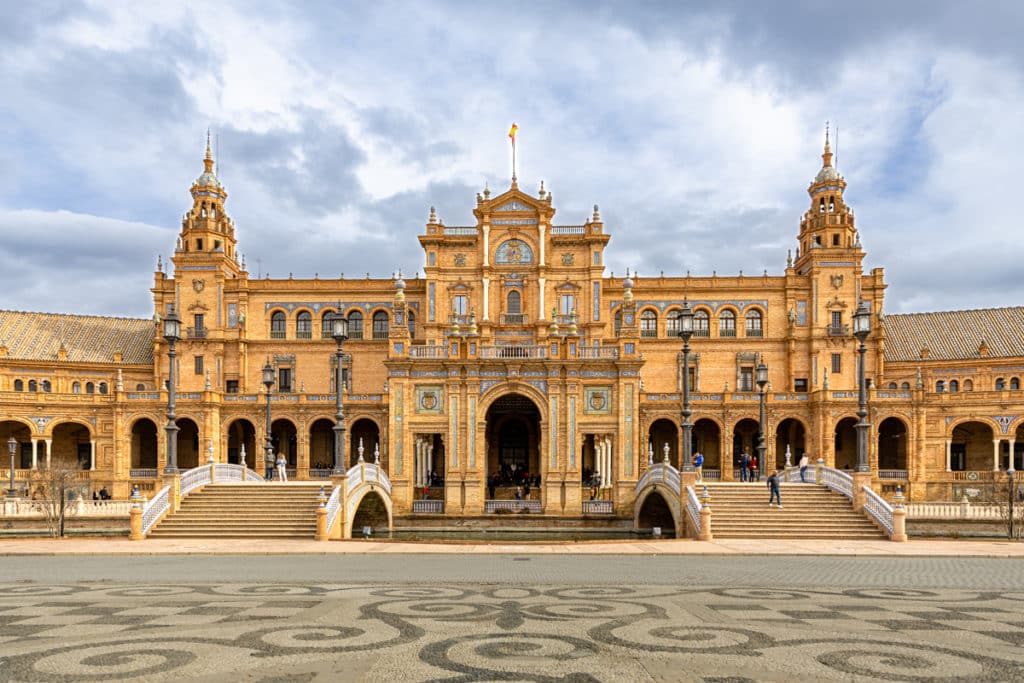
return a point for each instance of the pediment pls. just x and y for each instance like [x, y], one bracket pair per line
[513, 205]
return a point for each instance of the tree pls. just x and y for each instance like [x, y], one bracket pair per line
[1007, 496]
[53, 492]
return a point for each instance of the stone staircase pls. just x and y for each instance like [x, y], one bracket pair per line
[809, 511]
[256, 510]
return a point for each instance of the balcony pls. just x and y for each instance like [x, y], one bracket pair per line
[702, 332]
[649, 334]
[597, 507]
[434, 507]
[303, 334]
[838, 330]
[196, 332]
[278, 334]
[428, 351]
[755, 332]
[513, 319]
[727, 332]
[599, 352]
[525, 351]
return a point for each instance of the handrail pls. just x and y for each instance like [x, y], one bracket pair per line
[369, 473]
[231, 472]
[333, 507]
[155, 508]
[659, 472]
[837, 480]
[876, 506]
[194, 478]
[693, 507]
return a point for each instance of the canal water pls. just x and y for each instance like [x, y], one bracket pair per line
[461, 535]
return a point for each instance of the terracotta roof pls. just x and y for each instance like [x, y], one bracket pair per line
[955, 335]
[86, 338]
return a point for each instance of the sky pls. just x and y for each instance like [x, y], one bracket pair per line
[696, 127]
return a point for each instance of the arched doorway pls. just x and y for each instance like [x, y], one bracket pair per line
[23, 435]
[513, 446]
[285, 439]
[188, 444]
[242, 433]
[1018, 449]
[144, 444]
[707, 440]
[664, 432]
[792, 435]
[372, 512]
[321, 447]
[971, 447]
[892, 444]
[655, 512]
[846, 444]
[72, 446]
[744, 440]
[364, 431]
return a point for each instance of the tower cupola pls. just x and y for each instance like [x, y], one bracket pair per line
[206, 228]
[829, 222]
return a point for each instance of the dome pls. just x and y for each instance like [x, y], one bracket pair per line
[399, 283]
[208, 179]
[627, 283]
[826, 174]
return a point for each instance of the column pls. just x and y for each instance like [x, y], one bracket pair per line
[611, 461]
[543, 309]
[92, 454]
[416, 462]
[995, 454]
[428, 462]
[949, 456]
[35, 453]
[541, 229]
[49, 449]
[487, 245]
[1010, 463]
[487, 298]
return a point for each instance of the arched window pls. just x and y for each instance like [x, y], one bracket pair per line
[954, 385]
[76, 387]
[90, 388]
[278, 325]
[940, 386]
[304, 325]
[325, 325]
[892, 385]
[905, 386]
[701, 324]
[411, 318]
[754, 324]
[32, 386]
[672, 323]
[19, 385]
[1000, 383]
[648, 323]
[138, 387]
[727, 324]
[355, 325]
[618, 322]
[380, 325]
[514, 305]
[968, 385]
[46, 386]
[103, 387]
[1014, 384]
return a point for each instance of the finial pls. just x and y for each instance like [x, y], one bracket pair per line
[487, 190]
[597, 214]
[159, 262]
[433, 216]
[789, 258]
[209, 154]
[826, 156]
[541, 189]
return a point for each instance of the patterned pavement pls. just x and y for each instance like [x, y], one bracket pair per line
[270, 632]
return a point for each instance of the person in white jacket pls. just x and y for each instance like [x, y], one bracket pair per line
[282, 473]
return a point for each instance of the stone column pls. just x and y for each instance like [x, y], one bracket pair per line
[1012, 444]
[35, 453]
[92, 454]
[416, 462]
[543, 309]
[949, 455]
[995, 454]
[49, 449]
[487, 297]
[428, 465]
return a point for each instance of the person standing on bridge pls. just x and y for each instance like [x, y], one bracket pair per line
[773, 488]
[803, 467]
[698, 466]
[282, 472]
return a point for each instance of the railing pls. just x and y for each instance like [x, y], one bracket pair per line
[320, 474]
[435, 507]
[526, 351]
[702, 332]
[492, 506]
[597, 507]
[155, 508]
[712, 475]
[304, 334]
[693, 507]
[892, 474]
[333, 507]
[964, 510]
[648, 334]
[837, 481]
[25, 508]
[278, 334]
[369, 473]
[194, 478]
[428, 351]
[568, 229]
[876, 506]
[792, 475]
[727, 332]
[973, 475]
[755, 332]
[327, 333]
[196, 332]
[599, 352]
[513, 319]
[144, 473]
[460, 231]
[837, 330]
[228, 472]
[659, 473]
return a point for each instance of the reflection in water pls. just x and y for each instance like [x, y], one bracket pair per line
[518, 535]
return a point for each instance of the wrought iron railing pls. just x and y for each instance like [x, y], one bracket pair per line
[837, 330]
[144, 473]
[513, 319]
[892, 474]
[196, 332]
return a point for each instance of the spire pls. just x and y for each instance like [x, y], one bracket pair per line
[826, 157]
[208, 161]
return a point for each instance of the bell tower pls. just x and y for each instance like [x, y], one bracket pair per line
[207, 233]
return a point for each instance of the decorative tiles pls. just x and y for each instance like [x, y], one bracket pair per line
[627, 450]
[597, 400]
[513, 252]
[553, 432]
[429, 399]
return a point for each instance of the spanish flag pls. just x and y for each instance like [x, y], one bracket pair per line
[512, 133]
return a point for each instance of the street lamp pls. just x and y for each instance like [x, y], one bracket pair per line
[861, 329]
[268, 444]
[172, 333]
[339, 330]
[762, 382]
[12, 445]
[685, 319]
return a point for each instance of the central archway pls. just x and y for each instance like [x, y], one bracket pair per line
[513, 447]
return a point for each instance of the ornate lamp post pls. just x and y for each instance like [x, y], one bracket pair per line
[339, 330]
[12, 445]
[685, 332]
[172, 333]
[762, 382]
[268, 444]
[861, 329]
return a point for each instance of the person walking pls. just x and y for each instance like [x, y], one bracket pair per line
[773, 488]
[752, 474]
[698, 466]
[282, 473]
[744, 466]
[803, 468]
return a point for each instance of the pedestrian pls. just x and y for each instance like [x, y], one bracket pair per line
[519, 493]
[491, 486]
[269, 462]
[698, 466]
[803, 468]
[773, 488]
[426, 493]
[282, 473]
[744, 467]
[753, 468]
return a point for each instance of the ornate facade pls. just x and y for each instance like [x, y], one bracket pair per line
[516, 352]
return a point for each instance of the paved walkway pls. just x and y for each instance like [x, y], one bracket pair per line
[880, 548]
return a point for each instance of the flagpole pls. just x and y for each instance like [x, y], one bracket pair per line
[513, 161]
